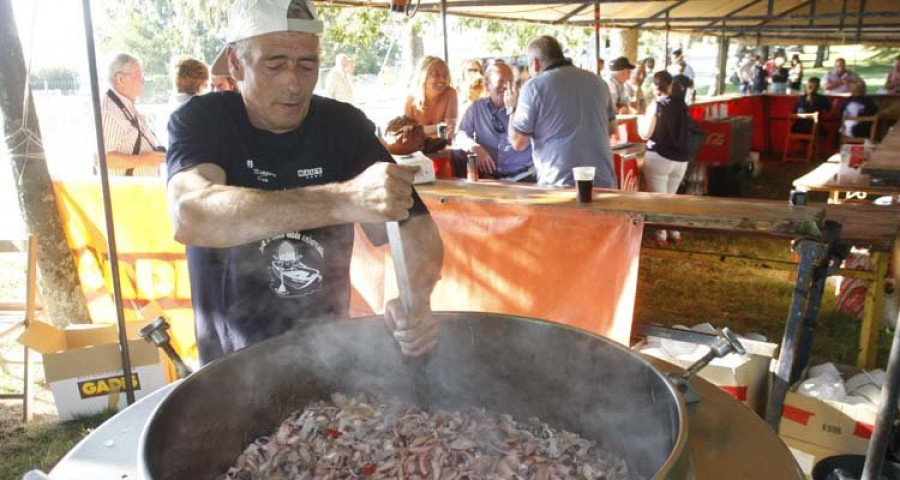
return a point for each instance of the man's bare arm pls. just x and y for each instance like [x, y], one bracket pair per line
[517, 140]
[119, 160]
[424, 253]
[206, 212]
[416, 331]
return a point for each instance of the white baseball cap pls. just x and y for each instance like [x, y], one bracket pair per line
[252, 18]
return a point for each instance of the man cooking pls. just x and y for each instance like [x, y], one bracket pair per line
[264, 189]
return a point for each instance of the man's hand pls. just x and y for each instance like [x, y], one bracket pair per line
[416, 333]
[383, 192]
[485, 162]
[511, 97]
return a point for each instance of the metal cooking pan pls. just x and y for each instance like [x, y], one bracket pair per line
[528, 368]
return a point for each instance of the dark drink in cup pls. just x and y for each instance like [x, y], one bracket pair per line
[584, 180]
[585, 190]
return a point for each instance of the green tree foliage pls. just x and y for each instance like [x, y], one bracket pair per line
[506, 38]
[60, 78]
[159, 31]
[363, 33]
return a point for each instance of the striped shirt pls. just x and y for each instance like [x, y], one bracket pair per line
[119, 134]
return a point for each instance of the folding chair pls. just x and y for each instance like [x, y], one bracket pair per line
[873, 133]
[811, 138]
[27, 313]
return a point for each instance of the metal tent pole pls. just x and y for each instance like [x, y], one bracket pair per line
[107, 202]
[885, 419]
[597, 36]
[444, 22]
[666, 53]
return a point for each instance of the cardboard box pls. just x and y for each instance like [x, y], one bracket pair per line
[83, 365]
[826, 424]
[426, 173]
[807, 454]
[748, 382]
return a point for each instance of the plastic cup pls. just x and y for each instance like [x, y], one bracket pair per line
[584, 180]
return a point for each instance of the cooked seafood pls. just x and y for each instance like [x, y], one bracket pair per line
[360, 437]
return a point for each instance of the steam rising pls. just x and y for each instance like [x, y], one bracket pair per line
[571, 380]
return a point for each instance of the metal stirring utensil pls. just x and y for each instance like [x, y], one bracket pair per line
[415, 365]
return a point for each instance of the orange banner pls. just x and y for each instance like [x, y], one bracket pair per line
[574, 266]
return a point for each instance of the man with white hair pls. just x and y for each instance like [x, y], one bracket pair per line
[339, 82]
[131, 147]
[567, 115]
[619, 72]
[265, 188]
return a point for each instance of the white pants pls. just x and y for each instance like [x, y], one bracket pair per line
[662, 175]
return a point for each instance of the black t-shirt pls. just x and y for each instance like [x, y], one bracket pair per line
[670, 136]
[780, 75]
[758, 79]
[251, 292]
[819, 103]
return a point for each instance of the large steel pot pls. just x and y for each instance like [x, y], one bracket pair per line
[567, 377]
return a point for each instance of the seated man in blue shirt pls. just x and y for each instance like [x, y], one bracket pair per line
[483, 132]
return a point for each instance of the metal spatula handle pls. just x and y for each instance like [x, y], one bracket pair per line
[400, 268]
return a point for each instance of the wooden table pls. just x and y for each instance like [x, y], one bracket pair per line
[824, 178]
[761, 217]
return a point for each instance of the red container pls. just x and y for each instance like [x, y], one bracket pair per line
[627, 172]
[442, 165]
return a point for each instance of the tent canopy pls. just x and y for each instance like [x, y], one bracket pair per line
[763, 21]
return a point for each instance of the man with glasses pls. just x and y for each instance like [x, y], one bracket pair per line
[131, 147]
[482, 131]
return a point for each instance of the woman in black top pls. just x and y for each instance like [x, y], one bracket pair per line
[665, 127]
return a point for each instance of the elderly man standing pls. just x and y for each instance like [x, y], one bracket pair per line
[839, 79]
[567, 115]
[265, 187]
[339, 82]
[483, 131]
[620, 71]
[131, 147]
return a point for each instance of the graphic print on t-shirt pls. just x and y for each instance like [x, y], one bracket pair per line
[296, 262]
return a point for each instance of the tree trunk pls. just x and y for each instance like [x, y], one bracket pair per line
[821, 51]
[722, 65]
[58, 278]
[624, 43]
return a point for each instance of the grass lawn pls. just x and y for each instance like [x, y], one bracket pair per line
[745, 299]
[40, 445]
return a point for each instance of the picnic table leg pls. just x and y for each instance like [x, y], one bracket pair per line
[820, 273]
[872, 311]
[27, 391]
[810, 251]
